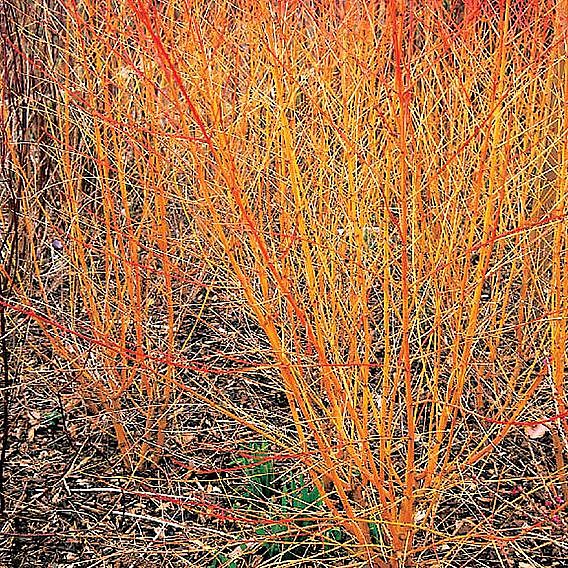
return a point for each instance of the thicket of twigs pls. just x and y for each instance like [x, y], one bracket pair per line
[336, 229]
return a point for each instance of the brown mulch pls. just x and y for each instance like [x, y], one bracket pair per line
[70, 501]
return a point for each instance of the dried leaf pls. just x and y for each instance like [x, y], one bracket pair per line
[536, 432]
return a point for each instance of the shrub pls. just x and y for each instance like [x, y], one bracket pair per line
[383, 186]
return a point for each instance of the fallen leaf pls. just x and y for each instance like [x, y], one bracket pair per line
[536, 432]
